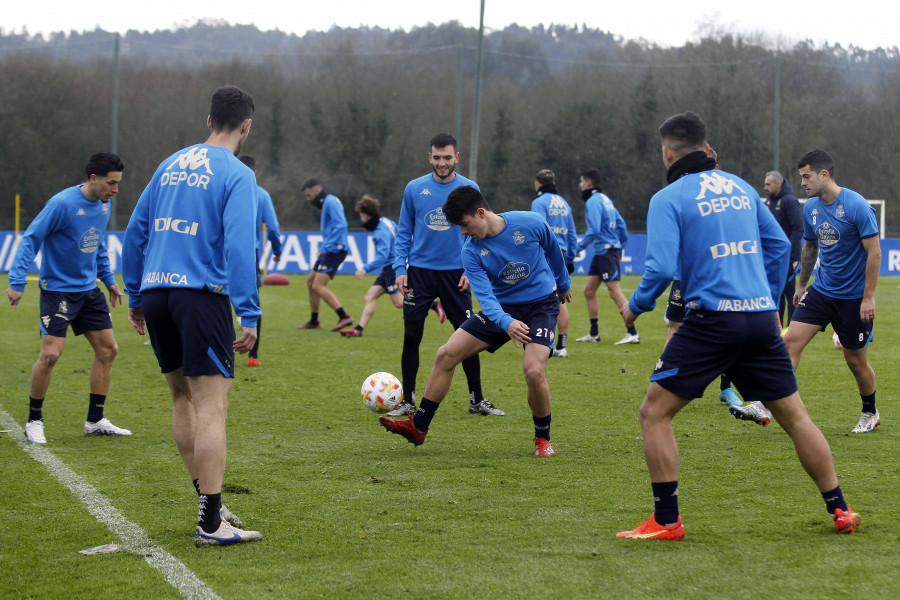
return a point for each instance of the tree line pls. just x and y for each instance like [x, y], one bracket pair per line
[356, 107]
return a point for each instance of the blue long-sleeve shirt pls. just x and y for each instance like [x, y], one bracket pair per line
[605, 226]
[383, 237]
[265, 214]
[523, 263]
[194, 226]
[71, 229]
[839, 229]
[425, 238]
[712, 229]
[334, 225]
[557, 212]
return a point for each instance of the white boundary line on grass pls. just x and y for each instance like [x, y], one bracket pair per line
[133, 537]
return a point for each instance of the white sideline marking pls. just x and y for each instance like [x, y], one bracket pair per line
[134, 539]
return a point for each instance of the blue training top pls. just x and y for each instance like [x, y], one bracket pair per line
[521, 264]
[713, 230]
[334, 225]
[265, 213]
[839, 228]
[605, 226]
[194, 227]
[425, 238]
[71, 229]
[557, 212]
[383, 237]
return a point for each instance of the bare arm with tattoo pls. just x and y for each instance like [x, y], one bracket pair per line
[808, 258]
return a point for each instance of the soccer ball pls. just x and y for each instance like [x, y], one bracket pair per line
[381, 392]
[836, 341]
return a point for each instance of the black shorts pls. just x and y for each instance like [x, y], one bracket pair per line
[540, 317]
[84, 311]
[329, 263]
[388, 280]
[816, 308]
[745, 346]
[190, 329]
[675, 305]
[427, 285]
[606, 266]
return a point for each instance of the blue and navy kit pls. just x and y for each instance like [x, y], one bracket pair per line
[839, 228]
[521, 264]
[194, 227]
[265, 214]
[425, 238]
[605, 226]
[334, 226]
[712, 229]
[71, 231]
[558, 214]
[383, 237]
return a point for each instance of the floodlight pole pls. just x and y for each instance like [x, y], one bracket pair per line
[459, 68]
[114, 141]
[777, 110]
[473, 156]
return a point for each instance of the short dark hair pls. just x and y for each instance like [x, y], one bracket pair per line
[545, 177]
[309, 184]
[683, 132]
[229, 108]
[369, 205]
[464, 200]
[249, 161]
[817, 160]
[592, 175]
[442, 140]
[103, 163]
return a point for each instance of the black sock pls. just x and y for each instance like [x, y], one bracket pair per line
[359, 328]
[35, 409]
[472, 368]
[434, 306]
[868, 403]
[665, 500]
[425, 414]
[541, 427]
[594, 329]
[724, 383]
[340, 313]
[561, 341]
[313, 317]
[834, 500]
[409, 358]
[196, 483]
[95, 408]
[632, 330]
[208, 517]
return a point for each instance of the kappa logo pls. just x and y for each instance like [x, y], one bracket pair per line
[715, 183]
[43, 284]
[659, 365]
[425, 192]
[63, 307]
[80, 212]
[46, 321]
[558, 207]
[518, 238]
[192, 159]
[485, 251]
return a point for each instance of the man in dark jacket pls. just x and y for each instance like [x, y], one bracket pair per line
[783, 204]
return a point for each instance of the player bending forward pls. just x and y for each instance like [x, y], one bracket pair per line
[518, 273]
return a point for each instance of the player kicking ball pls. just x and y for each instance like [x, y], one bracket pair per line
[518, 273]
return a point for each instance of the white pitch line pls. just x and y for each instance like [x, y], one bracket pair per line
[134, 539]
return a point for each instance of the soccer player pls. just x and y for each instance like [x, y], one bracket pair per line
[558, 214]
[383, 233]
[71, 231]
[517, 271]
[188, 257]
[429, 267]
[332, 253]
[712, 228]
[265, 215]
[606, 231]
[840, 230]
[786, 210]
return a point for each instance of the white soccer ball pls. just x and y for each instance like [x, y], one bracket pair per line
[381, 392]
[836, 341]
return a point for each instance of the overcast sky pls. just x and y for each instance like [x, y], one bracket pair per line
[863, 23]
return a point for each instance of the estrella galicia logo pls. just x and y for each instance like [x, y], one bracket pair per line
[513, 272]
[90, 240]
[828, 235]
[436, 220]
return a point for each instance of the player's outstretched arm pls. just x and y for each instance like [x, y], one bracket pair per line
[808, 258]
